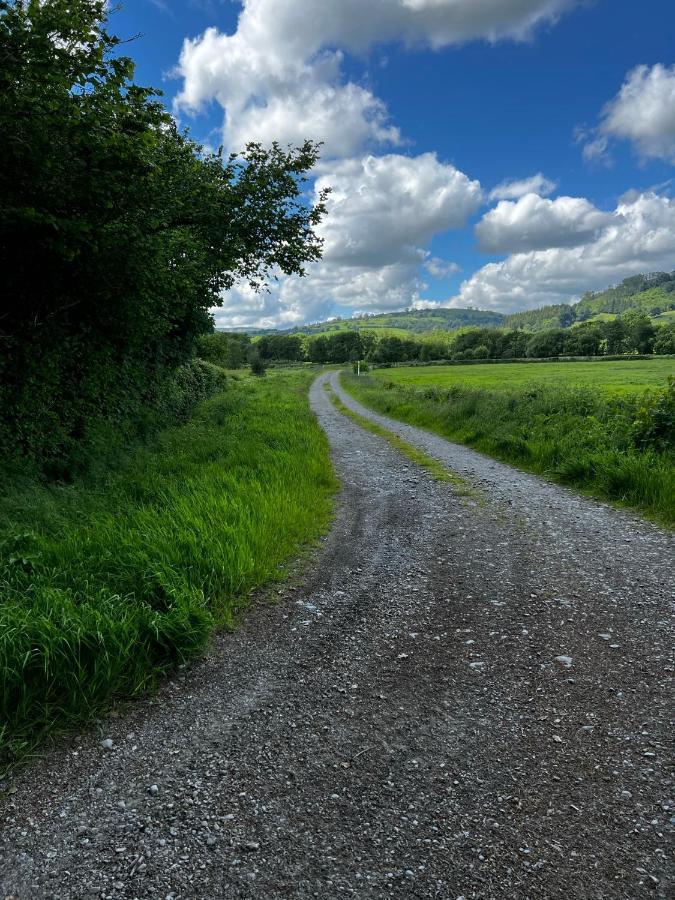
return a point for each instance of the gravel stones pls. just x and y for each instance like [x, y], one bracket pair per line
[510, 779]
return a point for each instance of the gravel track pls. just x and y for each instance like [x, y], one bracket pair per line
[467, 697]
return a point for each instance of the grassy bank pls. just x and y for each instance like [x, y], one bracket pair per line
[108, 583]
[575, 436]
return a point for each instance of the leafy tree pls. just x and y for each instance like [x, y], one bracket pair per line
[546, 343]
[117, 234]
[256, 362]
[281, 346]
[223, 348]
[640, 331]
[665, 339]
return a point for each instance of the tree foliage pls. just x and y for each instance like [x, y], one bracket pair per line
[117, 233]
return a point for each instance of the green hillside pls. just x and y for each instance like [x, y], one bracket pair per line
[652, 294]
[415, 321]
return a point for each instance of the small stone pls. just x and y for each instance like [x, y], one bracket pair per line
[564, 661]
[605, 637]
[153, 789]
[107, 744]
[251, 846]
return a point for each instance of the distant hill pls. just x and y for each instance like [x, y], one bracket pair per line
[560, 316]
[415, 321]
[652, 294]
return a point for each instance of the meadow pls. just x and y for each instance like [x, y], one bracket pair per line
[610, 433]
[622, 376]
[110, 582]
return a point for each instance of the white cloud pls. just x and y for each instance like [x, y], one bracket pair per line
[279, 76]
[440, 268]
[643, 112]
[514, 190]
[535, 223]
[639, 238]
[382, 214]
[386, 209]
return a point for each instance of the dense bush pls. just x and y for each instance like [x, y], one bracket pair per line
[117, 234]
[654, 424]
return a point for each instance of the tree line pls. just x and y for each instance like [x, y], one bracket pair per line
[632, 333]
[118, 233]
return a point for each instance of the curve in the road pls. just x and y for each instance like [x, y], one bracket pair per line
[463, 699]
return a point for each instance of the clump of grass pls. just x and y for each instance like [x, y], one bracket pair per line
[577, 436]
[108, 583]
[435, 468]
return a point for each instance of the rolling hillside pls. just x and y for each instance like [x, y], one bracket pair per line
[652, 294]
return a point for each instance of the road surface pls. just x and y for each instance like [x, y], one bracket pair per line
[465, 697]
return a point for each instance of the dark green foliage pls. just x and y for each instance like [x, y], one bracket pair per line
[545, 317]
[545, 344]
[287, 347]
[256, 362]
[647, 294]
[665, 339]
[116, 233]
[654, 424]
[228, 350]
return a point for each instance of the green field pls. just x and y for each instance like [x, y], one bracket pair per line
[589, 425]
[111, 581]
[610, 376]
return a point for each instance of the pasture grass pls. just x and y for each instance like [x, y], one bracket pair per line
[575, 436]
[108, 583]
[613, 377]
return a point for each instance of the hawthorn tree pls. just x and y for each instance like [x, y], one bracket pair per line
[117, 232]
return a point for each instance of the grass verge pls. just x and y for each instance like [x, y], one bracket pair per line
[574, 436]
[108, 583]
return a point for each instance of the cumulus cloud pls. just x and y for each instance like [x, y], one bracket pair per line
[514, 190]
[643, 112]
[535, 223]
[382, 213]
[279, 76]
[386, 209]
[639, 237]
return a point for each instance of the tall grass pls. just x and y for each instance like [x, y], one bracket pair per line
[108, 583]
[575, 436]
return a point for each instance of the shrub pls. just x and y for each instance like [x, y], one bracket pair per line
[654, 425]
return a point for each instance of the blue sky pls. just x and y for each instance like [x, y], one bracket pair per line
[426, 106]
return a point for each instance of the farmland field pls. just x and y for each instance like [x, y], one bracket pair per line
[611, 376]
[594, 426]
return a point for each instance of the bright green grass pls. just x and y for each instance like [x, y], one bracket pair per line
[611, 376]
[108, 585]
[577, 436]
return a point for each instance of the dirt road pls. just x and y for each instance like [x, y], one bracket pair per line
[467, 697]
